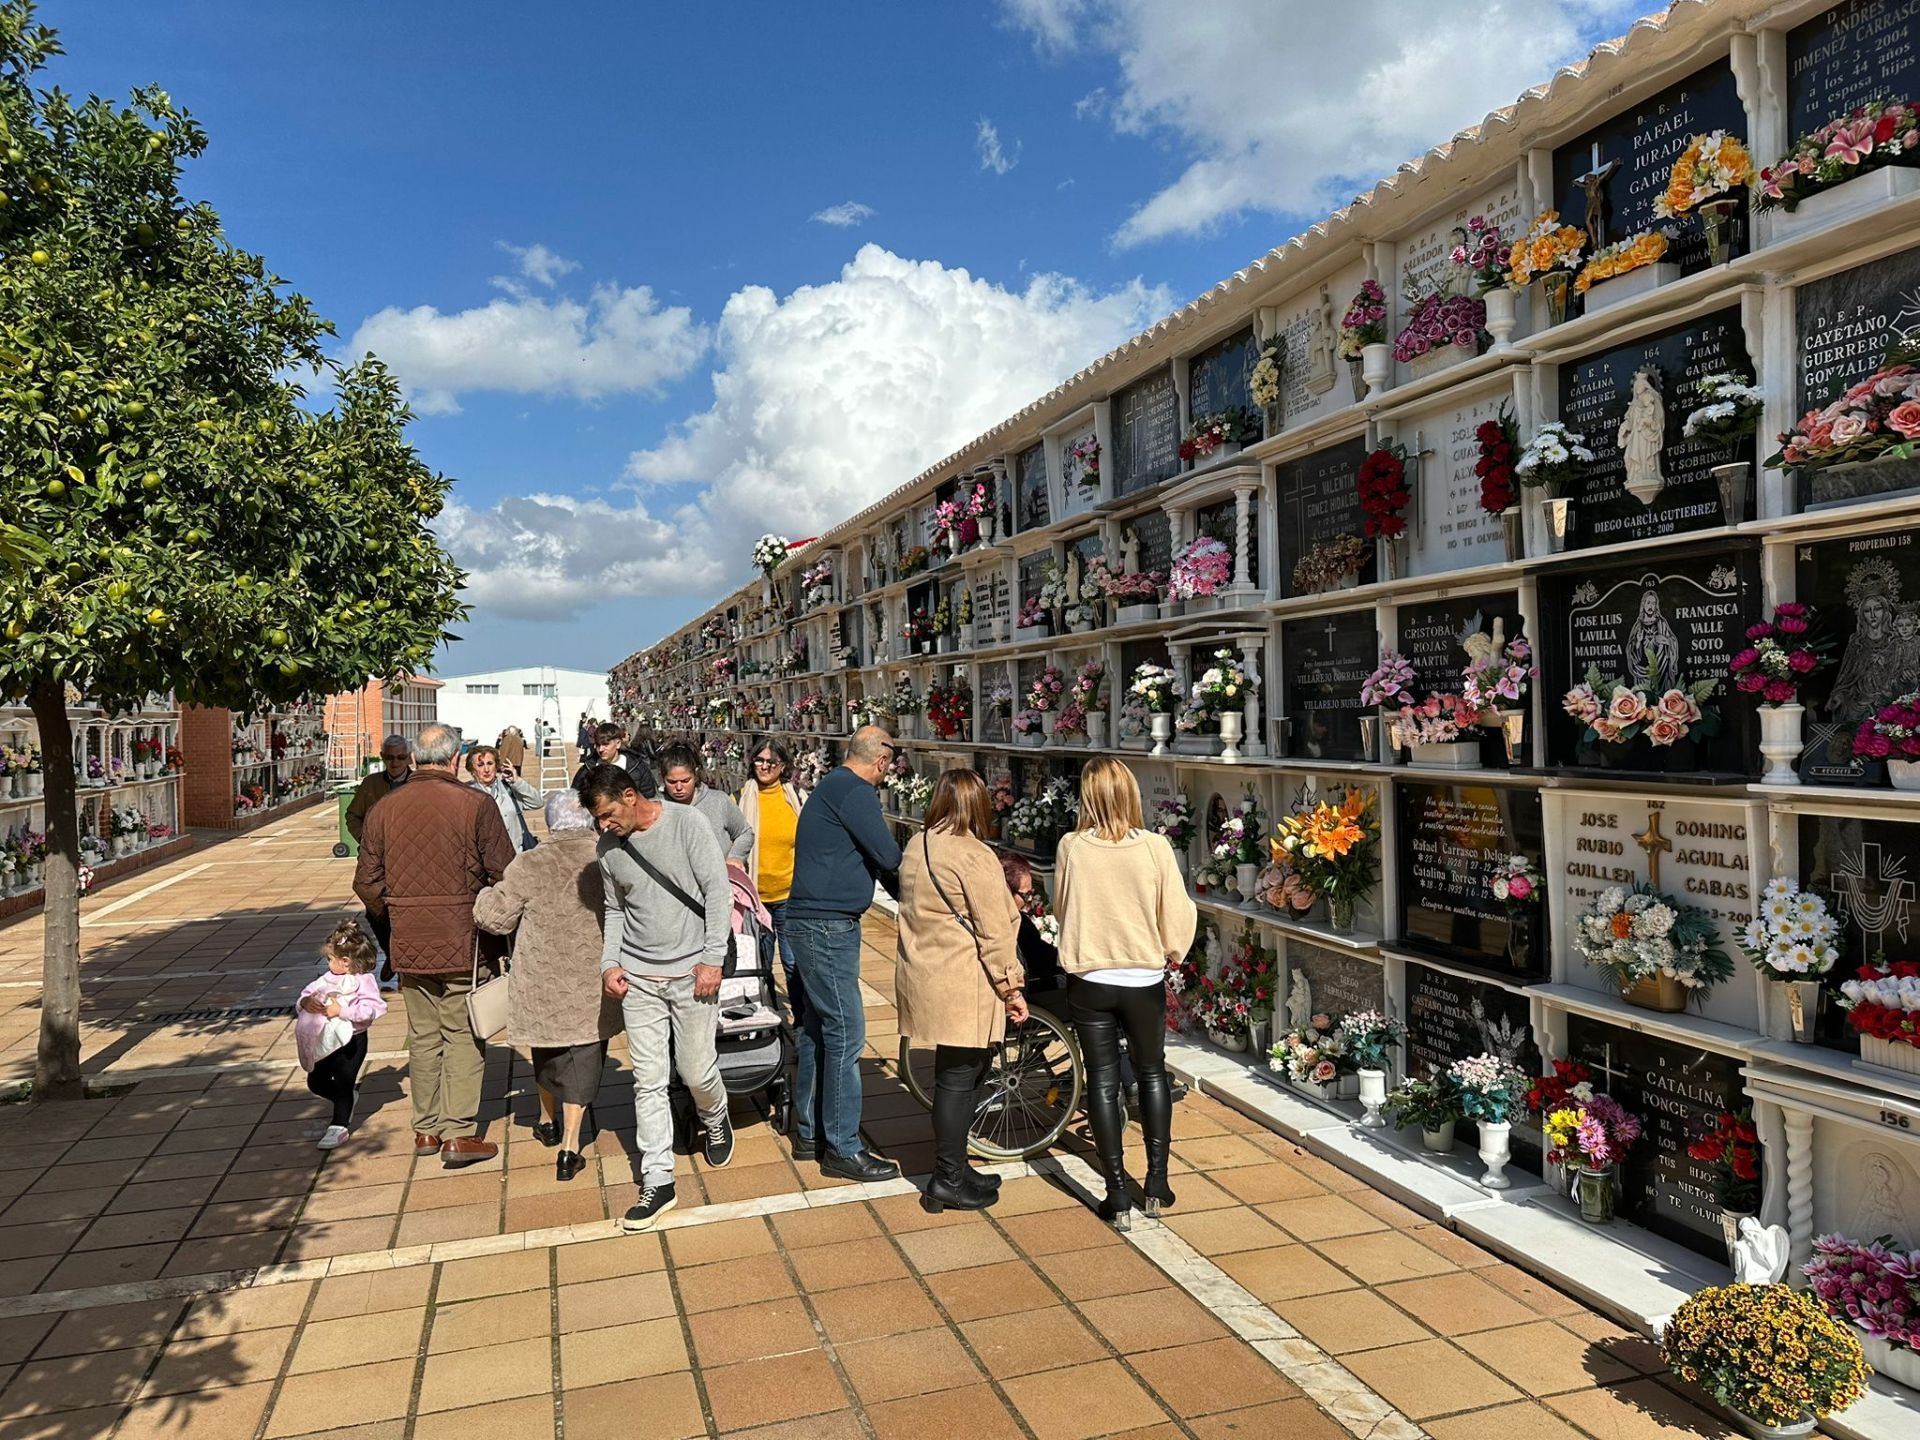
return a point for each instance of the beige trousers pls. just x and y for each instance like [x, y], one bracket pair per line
[445, 1062]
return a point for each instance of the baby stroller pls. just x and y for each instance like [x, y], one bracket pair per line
[756, 1041]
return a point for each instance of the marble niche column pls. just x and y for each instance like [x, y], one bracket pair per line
[1242, 534]
[1250, 645]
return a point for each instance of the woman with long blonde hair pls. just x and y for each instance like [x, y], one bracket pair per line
[1124, 913]
[958, 981]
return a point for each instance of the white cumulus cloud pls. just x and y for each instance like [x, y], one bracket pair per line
[993, 155]
[824, 400]
[1340, 96]
[539, 264]
[846, 213]
[616, 341]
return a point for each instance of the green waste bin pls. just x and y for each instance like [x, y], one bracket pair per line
[346, 847]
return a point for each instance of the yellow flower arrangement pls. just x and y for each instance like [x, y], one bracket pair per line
[1332, 847]
[1711, 165]
[1771, 1352]
[1545, 245]
[1617, 259]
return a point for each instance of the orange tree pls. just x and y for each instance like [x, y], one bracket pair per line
[189, 524]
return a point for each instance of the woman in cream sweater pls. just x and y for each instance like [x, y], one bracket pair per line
[1124, 912]
[958, 978]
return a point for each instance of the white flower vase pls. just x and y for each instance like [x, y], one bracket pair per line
[1161, 727]
[1230, 724]
[1373, 1095]
[1376, 367]
[1904, 774]
[36, 783]
[1495, 1153]
[1781, 742]
[1097, 730]
[1244, 877]
[1503, 314]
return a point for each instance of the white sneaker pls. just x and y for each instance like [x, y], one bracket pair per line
[332, 1137]
[314, 1132]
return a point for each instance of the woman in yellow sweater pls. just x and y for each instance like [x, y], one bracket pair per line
[771, 805]
[1124, 912]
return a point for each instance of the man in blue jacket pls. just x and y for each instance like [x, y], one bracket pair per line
[842, 847]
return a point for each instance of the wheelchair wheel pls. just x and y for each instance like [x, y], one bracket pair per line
[1032, 1091]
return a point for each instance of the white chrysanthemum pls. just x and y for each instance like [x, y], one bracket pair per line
[1777, 909]
[1780, 886]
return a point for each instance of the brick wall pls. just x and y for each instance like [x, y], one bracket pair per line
[206, 790]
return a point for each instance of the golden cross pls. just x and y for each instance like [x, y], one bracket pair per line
[1653, 842]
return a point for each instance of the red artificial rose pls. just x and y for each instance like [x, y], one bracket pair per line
[1884, 127]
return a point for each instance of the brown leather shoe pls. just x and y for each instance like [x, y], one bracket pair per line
[467, 1150]
[425, 1144]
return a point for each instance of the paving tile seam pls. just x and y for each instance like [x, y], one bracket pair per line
[1339, 1393]
[827, 1346]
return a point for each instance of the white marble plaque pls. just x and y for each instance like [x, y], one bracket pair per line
[1424, 254]
[1448, 529]
[1316, 380]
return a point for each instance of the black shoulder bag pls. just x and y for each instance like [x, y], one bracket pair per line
[732, 962]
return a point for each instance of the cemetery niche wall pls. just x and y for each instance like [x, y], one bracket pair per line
[1660, 577]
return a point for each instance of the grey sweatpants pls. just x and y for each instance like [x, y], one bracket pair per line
[654, 1009]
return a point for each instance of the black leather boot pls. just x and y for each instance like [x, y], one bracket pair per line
[1156, 1122]
[1116, 1209]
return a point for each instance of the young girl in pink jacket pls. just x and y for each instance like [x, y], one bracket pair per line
[331, 1020]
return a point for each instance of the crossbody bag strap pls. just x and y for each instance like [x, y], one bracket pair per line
[663, 882]
[979, 951]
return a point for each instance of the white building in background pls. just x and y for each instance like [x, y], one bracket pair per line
[485, 704]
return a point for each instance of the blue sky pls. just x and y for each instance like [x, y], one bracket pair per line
[585, 235]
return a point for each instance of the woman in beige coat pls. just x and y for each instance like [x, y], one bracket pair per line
[958, 978]
[551, 897]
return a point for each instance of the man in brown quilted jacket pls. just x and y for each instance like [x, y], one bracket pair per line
[428, 848]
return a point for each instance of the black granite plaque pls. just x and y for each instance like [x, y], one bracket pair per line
[1323, 662]
[1690, 612]
[1146, 433]
[1433, 635]
[1033, 572]
[1452, 839]
[1217, 379]
[1848, 54]
[1338, 983]
[1034, 507]
[1846, 323]
[849, 623]
[1678, 1092]
[1451, 1018]
[1641, 144]
[1865, 591]
[1317, 501]
[1221, 521]
[1154, 531]
[989, 602]
[1869, 872]
[1595, 396]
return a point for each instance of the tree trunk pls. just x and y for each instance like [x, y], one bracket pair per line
[56, 1074]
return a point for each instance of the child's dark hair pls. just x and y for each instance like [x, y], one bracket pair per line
[351, 942]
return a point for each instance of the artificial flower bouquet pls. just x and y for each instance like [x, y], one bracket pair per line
[1045, 691]
[1623, 257]
[768, 552]
[1712, 166]
[1279, 887]
[1209, 432]
[1555, 458]
[1368, 1039]
[1592, 1134]
[1545, 246]
[1617, 713]
[1570, 1085]
[1732, 1149]
[1085, 455]
[1892, 732]
[1334, 847]
[914, 560]
[1156, 688]
[1384, 496]
[1770, 1353]
[1637, 934]
[1222, 685]
[1071, 722]
[1087, 682]
[1365, 322]
[1490, 1089]
[1437, 720]
[1497, 679]
[1203, 567]
[1875, 1284]
[1883, 1001]
[1438, 320]
[1391, 682]
[906, 701]
[1310, 1054]
[1032, 613]
[1484, 253]
[1029, 722]
[1239, 838]
[950, 707]
[1791, 937]
[1431, 1102]
[1727, 412]
[1263, 382]
[1499, 442]
[1877, 134]
[1328, 564]
[1515, 883]
[1173, 818]
[1876, 419]
[914, 790]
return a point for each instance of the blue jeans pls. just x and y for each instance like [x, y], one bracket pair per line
[778, 910]
[826, 957]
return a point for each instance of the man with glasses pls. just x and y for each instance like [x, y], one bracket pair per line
[396, 759]
[842, 847]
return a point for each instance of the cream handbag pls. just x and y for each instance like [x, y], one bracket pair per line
[487, 1001]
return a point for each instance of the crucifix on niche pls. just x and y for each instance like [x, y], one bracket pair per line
[1653, 842]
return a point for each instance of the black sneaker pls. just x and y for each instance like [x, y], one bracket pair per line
[858, 1167]
[719, 1144]
[655, 1201]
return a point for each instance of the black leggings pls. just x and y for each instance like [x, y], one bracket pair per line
[333, 1078]
[1101, 1014]
[957, 1073]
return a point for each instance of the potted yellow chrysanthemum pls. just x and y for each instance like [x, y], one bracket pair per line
[1770, 1354]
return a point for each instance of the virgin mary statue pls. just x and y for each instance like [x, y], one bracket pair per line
[1642, 432]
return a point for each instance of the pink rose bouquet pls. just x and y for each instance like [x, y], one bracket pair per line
[1441, 320]
[1879, 418]
[1515, 883]
[1616, 713]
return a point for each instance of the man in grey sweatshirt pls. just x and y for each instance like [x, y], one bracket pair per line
[669, 915]
[682, 778]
